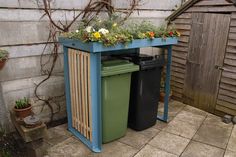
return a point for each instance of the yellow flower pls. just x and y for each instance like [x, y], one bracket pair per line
[114, 24]
[178, 34]
[97, 35]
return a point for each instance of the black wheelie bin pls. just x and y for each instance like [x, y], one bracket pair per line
[145, 91]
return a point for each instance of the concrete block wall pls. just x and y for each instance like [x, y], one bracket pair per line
[24, 33]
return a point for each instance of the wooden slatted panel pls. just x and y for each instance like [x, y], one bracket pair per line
[213, 3]
[213, 9]
[232, 29]
[179, 54]
[182, 21]
[229, 81]
[79, 68]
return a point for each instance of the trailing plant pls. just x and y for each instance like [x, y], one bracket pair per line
[91, 10]
[3, 55]
[22, 103]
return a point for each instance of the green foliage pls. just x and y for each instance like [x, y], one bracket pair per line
[111, 32]
[2, 131]
[5, 153]
[22, 103]
[3, 55]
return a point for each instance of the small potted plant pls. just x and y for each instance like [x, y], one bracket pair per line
[22, 108]
[3, 58]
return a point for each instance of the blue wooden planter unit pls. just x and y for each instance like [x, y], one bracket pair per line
[91, 134]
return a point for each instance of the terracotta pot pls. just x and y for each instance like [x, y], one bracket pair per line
[2, 63]
[22, 113]
[162, 96]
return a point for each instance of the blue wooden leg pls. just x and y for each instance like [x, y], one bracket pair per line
[95, 73]
[67, 87]
[167, 85]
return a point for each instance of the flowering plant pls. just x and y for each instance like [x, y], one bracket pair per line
[111, 32]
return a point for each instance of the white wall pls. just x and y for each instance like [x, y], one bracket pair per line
[23, 34]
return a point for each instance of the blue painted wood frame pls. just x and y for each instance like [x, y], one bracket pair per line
[95, 76]
[164, 117]
[96, 50]
[96, 47]
[95, 61]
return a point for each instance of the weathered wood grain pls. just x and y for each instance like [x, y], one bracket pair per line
[179, 54]
[225, 110]
[207, 48]
[182, 21]
[228, 87]
[213, 9]
[229, 81]
[226, 98]
[229, 74]
[232, 29]
[231, 62]
[183, 27]
[213, 3]
[179, 60]
[185, 16]
[231, 42]
[178, 48]
[226, 104]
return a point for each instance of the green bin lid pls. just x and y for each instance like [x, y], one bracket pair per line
[115, 67]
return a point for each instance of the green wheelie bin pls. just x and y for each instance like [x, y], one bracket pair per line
[116, 78]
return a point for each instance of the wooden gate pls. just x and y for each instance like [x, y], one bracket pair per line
[207, 46]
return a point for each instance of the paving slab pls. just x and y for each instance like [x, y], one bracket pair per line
[229, 153]
[150, 132]
[182, 128]
[115, 149]
[169, 142]
[232, 141]
[213, 135]
[63, 130]
[149, 151]
[160, 125]
[174, 107]
[215, 120]
[190, 117]
[55, 136]
[195, 110]
[72, 147]
[135, 139]
[197, 149]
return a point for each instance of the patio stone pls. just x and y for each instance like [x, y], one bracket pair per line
[182, 128]
[170, 143]
[213, 135]
[115, 149]
[215, 120]
[134, 139]
[229, 153]
[149, 151]
[196, 149]
[232, 141]
[55, 136]
[150, 132]
[174, 108]
[63, 130]
[195, 110]
[190, 117]
[71, 147]
[160, 125]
